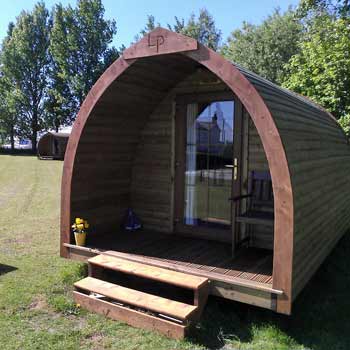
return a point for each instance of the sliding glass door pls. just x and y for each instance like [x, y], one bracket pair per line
[207, 167]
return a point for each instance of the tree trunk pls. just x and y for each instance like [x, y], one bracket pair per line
[12, 138]
[57, 124]
[34, 140]
[34, 129]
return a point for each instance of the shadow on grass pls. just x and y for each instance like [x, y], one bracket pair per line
[6, 268]
[17, 152]
[320, 319]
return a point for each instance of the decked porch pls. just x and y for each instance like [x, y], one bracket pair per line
[246, 278]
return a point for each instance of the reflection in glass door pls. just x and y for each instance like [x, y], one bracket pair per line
[208, 172]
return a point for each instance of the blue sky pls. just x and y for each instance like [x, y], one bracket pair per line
[131, 15]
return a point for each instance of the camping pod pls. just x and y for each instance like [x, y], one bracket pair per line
[52, 145]
[233, 178]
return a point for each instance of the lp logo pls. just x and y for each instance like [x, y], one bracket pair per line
[155, 41]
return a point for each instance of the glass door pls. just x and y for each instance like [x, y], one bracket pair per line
[207, 169]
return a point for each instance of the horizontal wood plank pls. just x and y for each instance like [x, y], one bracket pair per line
[131, 317]
[147, 271]
[136, 298]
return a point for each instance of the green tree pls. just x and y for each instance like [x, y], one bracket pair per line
[8, 119]
[150, 25]
[202, 29]
[335, 8]
[344, 122]
[24, 60]
[267, 47]
[321, 69]
[80, 52]
[8, 111]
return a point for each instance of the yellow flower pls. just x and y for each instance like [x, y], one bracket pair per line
[86, 224]
[79, 221]
[80, 226]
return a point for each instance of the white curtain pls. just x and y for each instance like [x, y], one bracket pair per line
[191, 151]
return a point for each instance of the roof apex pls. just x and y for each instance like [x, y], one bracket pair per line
[160, 41]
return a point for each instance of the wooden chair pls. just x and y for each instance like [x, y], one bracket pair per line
[260, 206]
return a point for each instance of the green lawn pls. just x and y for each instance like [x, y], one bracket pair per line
[37, 312]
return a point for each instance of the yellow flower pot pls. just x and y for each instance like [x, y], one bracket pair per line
[80, 239]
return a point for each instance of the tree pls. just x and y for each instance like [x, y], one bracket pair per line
[344, 122]
[8, 111]
[202, 29]
[150, 25]
[334, 8]
[24, 62]
[80, 52]
[8, 119]
[321, 69]
[59, 106]
[266, 48]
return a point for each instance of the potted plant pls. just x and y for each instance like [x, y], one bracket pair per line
[80, 227]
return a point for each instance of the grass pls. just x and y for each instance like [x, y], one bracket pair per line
[37, 311]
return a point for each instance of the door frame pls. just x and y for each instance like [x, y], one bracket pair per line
[180, 163]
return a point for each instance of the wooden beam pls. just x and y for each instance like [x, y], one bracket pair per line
[131, 317]
[160, 41]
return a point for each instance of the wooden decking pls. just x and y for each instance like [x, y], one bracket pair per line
[207, 258]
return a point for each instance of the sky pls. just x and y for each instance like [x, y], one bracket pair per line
[131, 15]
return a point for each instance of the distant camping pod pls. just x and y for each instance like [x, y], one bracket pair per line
[233, 178]
[52, 145]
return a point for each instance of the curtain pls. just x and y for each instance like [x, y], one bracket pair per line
[191, 152]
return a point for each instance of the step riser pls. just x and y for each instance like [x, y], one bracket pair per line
[131, 317]
[136, 298]
[127, 302]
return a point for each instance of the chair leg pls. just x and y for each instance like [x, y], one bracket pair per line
[249, 232]
[233, 243]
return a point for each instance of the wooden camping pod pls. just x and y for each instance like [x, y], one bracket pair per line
[122, 153]
[52, 145]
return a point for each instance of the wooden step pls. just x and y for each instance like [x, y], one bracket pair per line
[139, 299]
[132, 317]
[151, 272]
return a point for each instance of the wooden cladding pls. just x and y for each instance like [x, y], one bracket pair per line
[153, 166]
[318, 155]
[151, 186]
[124, 152]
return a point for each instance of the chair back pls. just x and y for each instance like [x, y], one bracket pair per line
[260, 186]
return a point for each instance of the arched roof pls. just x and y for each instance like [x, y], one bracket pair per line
[274, 111]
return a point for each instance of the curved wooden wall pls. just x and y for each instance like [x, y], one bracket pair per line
[318, 155]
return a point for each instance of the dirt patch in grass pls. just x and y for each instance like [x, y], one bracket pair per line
[96, 340]
[17, 240]
[39, 303]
